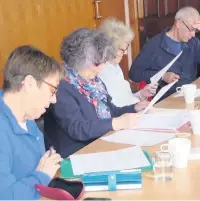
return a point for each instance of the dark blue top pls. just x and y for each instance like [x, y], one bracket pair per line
[157, 53]
[20, 153]
[174, 46]
[72, 122]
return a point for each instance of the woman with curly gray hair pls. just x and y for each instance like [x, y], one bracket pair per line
[112, 76]
[84, 111]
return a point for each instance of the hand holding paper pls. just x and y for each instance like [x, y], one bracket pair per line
[170, 77]
[158, 96]
[154, 79]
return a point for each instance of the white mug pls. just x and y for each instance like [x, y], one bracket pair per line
[189, 91]
[194, 118]
[180, 149]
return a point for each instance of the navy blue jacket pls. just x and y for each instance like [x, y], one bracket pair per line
[72, 122]
[156, 54]
[20, 153]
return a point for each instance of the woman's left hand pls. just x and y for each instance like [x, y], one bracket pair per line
[141, 105]
[149, 90]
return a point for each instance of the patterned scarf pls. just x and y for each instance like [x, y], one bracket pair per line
[94, 91]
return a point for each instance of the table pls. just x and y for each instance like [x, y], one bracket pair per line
[185, 183]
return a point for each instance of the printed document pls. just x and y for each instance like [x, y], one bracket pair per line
[139, 138]
[154, 79]
[162, 91]
[122, 159]
[160, 122]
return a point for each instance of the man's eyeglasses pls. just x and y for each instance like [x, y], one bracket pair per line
[54, 89]
[190, 29]
[125, 49]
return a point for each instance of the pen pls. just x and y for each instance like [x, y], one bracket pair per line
[52, 150]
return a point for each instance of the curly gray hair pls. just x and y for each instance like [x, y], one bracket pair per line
[117, 31]
[86, 46]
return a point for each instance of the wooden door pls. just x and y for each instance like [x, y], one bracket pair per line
[116, 8]
[42, 23]
[156, 15]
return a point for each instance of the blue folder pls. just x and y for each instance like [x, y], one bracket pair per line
[113, 180]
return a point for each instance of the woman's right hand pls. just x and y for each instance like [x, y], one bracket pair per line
[49, 164]
[126, 121]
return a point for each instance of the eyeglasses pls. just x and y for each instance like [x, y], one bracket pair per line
[125, 49]
[55, 89]
[190, 29]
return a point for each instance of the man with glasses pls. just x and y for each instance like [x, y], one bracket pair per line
[162, 48]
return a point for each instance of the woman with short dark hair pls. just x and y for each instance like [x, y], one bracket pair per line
[84, 111]
[30, 83]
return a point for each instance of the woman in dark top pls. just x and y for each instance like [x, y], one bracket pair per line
[84, 111]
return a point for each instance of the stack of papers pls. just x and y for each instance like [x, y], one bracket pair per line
[160, 122]
[122, 159]
[139, 138]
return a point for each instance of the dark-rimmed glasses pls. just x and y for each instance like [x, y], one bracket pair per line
[55, 89]
[125, 49]
[190, 29]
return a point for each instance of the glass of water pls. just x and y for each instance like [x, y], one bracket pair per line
[162, 166]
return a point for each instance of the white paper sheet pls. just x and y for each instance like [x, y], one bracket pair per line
[165, 111]
[160, 122]
[139, 138]
[162, 91]
[154, 79]
[122, 159]
[179, 94]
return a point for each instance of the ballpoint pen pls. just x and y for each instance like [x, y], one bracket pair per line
[52, 150]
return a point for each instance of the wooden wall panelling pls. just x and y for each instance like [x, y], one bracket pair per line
[194, 3]
[172, 7]
[134, 14]
[42, 23]
[112, 8]
[1, 71]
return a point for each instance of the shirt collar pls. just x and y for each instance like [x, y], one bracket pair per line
[164, 44]
[4, 108]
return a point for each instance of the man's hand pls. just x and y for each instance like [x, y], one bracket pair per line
[170, 77]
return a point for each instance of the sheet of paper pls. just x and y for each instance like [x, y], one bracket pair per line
[139, 138]
[179, 94]
[154, 79]
[162, 91]
[162, 122]
[122, 159]
[165, 111]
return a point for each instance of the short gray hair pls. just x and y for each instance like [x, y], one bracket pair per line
[187, 13]
[86, 46]
[28, 60]
[117, 31]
